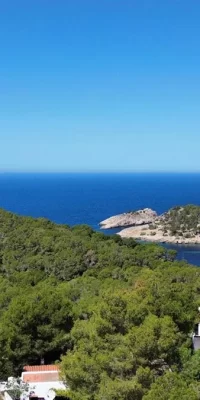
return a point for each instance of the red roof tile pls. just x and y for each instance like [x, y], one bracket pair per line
[41, 377]
[36, 368]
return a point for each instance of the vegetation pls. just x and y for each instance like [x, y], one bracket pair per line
[182, 221]
[16, 388]
[117, 314]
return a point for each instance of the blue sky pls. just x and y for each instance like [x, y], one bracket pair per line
[99, 85]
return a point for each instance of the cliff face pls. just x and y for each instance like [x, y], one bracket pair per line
[140, 217]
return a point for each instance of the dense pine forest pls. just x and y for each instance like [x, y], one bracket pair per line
[116, 314]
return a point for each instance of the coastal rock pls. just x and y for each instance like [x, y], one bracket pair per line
[140, 217]
[144, 233]
[179, 225]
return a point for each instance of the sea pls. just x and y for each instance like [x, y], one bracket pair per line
[88, 198]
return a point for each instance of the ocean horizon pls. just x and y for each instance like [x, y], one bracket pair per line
[88, 198]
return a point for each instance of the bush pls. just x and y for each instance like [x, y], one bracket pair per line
[152, 226]
[188, 235]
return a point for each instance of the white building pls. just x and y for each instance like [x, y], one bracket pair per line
[196, 338]
[43, 380]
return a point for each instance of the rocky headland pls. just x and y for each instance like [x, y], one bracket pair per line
[132, 218]
[178, 225]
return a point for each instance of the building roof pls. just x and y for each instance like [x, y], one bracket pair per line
[51, 376]
[38, 368]
[41, 379]
[41, 373]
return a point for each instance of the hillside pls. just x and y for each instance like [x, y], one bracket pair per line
[117, 314]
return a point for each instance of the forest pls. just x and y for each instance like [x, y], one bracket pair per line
[117, 315]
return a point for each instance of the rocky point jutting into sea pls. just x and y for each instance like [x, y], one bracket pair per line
[178, 225]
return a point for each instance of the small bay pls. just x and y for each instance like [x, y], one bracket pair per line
[80, 198]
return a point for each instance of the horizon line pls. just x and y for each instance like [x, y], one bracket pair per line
[99, 172]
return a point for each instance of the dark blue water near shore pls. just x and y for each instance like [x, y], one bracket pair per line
[90, 198]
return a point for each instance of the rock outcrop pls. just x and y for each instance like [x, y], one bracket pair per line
[140, 217]
[181, 224]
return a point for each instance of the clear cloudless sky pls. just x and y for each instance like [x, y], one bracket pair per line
[100, 85]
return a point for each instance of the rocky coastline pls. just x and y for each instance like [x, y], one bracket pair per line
[144, 233]
[132, 218]
[180, 225]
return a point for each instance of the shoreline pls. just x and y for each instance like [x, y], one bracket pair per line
[179, 225]
[145, 234]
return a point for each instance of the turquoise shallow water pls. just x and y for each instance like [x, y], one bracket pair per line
[90, 198]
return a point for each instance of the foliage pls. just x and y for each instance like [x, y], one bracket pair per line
[171, 387]
[117, 314]
[183, 220]
[15, 387]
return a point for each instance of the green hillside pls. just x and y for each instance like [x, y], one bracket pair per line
[117, 314]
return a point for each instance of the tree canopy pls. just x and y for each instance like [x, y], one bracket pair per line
[116, 314]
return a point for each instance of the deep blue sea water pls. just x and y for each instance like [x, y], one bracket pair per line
[90, 198]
